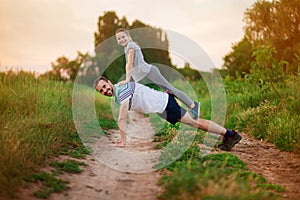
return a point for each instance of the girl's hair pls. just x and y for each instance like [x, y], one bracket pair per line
[119, 30]
[122, 30]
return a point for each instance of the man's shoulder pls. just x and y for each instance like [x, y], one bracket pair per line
[126, 91]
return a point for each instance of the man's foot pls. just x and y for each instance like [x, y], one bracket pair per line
[229, 142]
[196, 110]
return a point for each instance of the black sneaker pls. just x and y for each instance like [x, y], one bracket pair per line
[229, 142]
[196, 110]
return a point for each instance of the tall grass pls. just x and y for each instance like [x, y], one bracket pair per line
[253, 108]
[272, 116]
[218, 177]
[35, 123]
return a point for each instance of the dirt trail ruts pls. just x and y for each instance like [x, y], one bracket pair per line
[278, 167]
[134, 180]
[104, 183]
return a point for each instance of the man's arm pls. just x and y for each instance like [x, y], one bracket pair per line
[122, 122]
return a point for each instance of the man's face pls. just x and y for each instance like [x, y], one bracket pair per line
[105, 88]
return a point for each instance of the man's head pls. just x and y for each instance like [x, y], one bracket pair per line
[104, 86]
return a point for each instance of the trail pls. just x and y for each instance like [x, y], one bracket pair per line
[278, 167]
[127, 172]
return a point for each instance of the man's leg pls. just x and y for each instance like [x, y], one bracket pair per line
[230, 138]
[203, 124]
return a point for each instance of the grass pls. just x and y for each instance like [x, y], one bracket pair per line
[251, 108]
[49, 182]
[70, 166]
[36, 122]
[258, 110]
[217, 176]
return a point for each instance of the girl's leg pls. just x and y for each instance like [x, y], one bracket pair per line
[156, 77]
[230, 137]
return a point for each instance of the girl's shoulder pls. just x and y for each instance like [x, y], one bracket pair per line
[132, 45]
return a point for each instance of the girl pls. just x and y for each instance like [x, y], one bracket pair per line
[138, 68]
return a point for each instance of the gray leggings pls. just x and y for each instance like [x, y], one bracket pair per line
[156, 77]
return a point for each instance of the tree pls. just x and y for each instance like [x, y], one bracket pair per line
[106, 50]
[240, 58]
[276, 24]
[266, 70]
[64, 69]
[107, 25]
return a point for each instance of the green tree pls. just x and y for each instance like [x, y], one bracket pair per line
[107, 25]
[239, 60]
[64, 69]
[107, 51]
[276, 23]
[266, 70]
[189, 73]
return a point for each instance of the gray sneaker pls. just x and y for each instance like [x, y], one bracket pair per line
[196, 110]
[228, 143]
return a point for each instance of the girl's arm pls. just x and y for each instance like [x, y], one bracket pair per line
[128, 67]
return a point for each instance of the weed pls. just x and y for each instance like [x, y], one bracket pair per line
[50, 184]
[217, 176]
[70, 166]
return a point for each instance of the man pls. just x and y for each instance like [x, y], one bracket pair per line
[135, 96]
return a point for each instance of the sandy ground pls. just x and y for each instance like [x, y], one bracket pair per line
[114, 173]
[278, 167]
[127, 173]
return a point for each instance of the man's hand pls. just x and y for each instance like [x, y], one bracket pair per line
[119, 144]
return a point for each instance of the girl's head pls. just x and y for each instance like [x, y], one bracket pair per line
[123, 36]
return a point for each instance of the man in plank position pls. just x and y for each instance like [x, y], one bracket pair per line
[135, 96]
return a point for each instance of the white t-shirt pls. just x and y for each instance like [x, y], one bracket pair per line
[143, 98]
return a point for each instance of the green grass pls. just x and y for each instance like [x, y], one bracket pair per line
[218, 176]
[36, 122]
[70, 166]
[50, 183]
[224, 176]
[260, 111]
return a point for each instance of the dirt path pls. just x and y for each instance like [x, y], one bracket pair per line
[114, 173]
[276, 166]
[127, 173]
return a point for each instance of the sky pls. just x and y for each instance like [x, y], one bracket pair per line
[34, 33]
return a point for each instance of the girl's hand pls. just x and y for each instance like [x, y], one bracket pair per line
[122, 83]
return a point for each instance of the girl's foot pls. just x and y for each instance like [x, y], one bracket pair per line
[196, 110]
